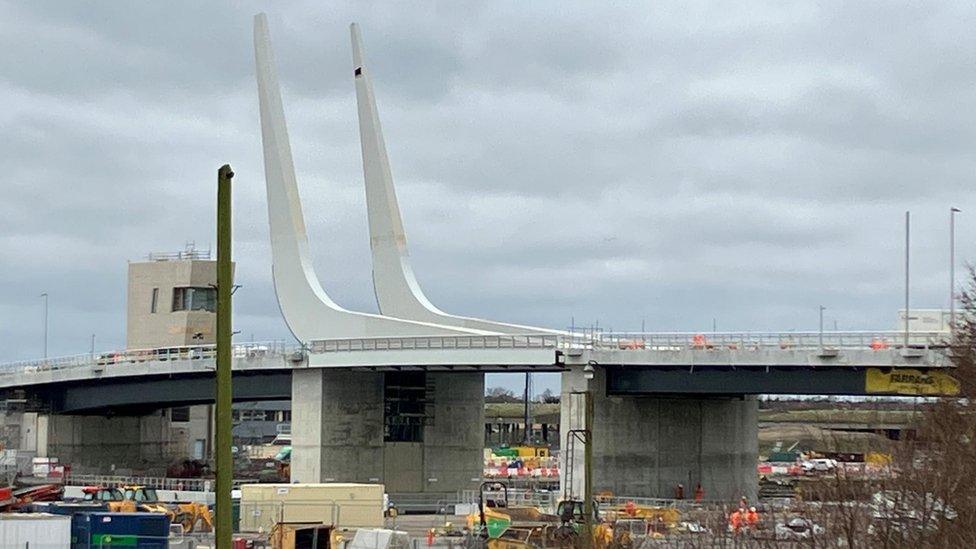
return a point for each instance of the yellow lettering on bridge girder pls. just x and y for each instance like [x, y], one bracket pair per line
[905, 381]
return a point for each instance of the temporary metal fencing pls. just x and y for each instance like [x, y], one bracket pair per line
[436, 503]
[516, 497]
[159, 483]
[548, 500]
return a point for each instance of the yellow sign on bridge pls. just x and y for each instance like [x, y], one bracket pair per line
[905, 381]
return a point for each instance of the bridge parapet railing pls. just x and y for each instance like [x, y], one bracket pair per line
[654, 341]
[508, 341]
[138, 356]
[758, 341]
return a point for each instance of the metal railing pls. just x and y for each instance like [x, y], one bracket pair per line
[548, 500]
[756, 341]
[517, 341]
[159, 483]
[244, 351]
[652, 341]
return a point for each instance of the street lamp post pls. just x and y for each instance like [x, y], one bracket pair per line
[44, 295]
[822, 309]
[907, 244]
[952, 266]
[588, 375]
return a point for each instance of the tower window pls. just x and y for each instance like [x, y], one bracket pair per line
[195, 299]
[155, 300]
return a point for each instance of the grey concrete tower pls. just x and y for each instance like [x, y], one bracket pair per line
[171, 300]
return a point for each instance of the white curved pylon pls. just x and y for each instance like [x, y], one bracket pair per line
[397, 290]
[306, 308]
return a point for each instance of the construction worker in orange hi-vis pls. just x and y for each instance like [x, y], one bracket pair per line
[699, 492]
[752, 517]
[736, 519]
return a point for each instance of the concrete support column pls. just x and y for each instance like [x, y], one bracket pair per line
[337, 426]
[454, 438]
[338, 432]
[143, 445]
[306, 426]
[644, 446]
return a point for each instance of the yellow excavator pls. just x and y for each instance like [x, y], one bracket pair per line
[111, 497]
[195, 517]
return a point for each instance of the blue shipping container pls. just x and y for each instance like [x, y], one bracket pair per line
[137, 530]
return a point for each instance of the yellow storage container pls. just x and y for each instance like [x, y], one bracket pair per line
[336, 504]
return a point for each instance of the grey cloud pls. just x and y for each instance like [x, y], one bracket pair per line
[669, 164]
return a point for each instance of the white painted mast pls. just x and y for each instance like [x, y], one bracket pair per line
[397, 290]
[307, 309]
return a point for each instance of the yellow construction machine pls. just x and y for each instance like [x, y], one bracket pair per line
[111, 497]
[194, 516]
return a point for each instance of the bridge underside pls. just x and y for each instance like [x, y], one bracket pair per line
[138, 396]
[757, 380]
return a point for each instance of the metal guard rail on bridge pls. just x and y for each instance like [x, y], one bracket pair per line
[518, 341]
[660, 341]
[746, 341]
[137, 356]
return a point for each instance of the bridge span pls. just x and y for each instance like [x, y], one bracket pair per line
[636, 363]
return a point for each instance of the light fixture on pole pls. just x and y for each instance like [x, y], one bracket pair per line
[822, 309]
[588, 371]
[44, 295]
[952, 266]
[588, 374]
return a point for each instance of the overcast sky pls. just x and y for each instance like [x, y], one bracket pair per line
[671, 164]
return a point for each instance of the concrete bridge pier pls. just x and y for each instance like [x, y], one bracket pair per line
[125, 445]
[416, 432]
[645, 446]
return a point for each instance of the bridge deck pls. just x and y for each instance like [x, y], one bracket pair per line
[744, 363]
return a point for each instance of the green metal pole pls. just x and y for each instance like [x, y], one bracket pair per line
[224, 460]
[588, 468]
